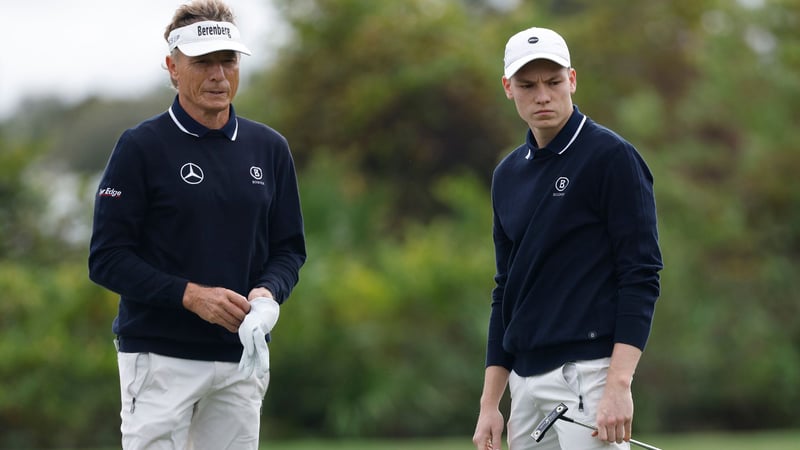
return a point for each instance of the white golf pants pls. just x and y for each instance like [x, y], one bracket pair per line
[179, 404]
[573, 384]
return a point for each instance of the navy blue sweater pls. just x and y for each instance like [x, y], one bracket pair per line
[576, 249]
[179, 202]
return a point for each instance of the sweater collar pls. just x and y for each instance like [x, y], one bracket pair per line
[563, 139]
[185, 123]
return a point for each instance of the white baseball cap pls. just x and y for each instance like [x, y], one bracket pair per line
[207, 36]
[534, 43]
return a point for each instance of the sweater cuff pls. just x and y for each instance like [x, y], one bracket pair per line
[176, 291]
[496, 356]
[632, 330]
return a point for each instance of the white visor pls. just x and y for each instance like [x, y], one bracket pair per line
[204, 37]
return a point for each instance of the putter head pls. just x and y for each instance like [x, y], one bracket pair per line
[548, 422]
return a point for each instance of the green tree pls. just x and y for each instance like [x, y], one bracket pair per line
[406, 91]
[726, 334]
[56, 359]
[396, 116]
[383, 336]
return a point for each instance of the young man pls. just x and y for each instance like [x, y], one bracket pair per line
[577, 260]
[198, 227]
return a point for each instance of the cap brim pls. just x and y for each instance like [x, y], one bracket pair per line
[205, 47]
[516, 65]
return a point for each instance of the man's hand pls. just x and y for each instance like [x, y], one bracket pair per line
[259, 292]
[615, 410]
[216, 305]
[615, 415]
[489, 430]
[263, 315]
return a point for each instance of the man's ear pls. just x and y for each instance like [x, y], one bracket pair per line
[573, 80]
[170, 64]
[507, 87]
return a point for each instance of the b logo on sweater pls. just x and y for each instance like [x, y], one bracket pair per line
[257, 175]
[561, 186]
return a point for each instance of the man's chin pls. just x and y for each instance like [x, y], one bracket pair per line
[544, 124]
[217, 105]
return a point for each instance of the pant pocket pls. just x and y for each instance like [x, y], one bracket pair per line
[133, 369]
[575, 382]
[513, 383]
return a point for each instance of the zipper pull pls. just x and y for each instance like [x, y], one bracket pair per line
[133, 404]
[580, 403]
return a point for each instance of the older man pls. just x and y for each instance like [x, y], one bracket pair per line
[198, 228]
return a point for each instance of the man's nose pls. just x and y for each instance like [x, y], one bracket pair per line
[540, 95]
[216, 71]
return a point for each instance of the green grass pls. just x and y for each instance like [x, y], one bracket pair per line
[438, 444]
[773, 440]
[777, 440]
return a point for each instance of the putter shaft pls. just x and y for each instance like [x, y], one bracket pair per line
[632, 441]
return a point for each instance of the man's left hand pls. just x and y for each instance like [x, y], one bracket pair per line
[263, 316]
[615, 413]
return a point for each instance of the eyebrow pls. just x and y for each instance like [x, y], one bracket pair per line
[546, 79]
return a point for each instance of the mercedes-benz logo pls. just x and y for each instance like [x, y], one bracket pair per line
[191, 173]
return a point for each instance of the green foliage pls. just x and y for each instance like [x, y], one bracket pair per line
[20, 203]
[396, 116]
[405, 91]
[85, 137]
[57, 363]
[368, 321]
[726, 333]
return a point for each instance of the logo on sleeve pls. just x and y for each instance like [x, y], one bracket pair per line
[109, 192]
[192, 173]
[561, 186]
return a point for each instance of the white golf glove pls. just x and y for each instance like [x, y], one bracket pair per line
[257, 323]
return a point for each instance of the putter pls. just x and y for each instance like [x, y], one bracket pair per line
[558, 413]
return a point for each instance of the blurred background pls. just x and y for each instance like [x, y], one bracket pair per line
[396, 118]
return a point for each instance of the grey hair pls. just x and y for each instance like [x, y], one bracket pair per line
[197, 11]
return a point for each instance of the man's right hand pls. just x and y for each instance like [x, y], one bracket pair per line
[216, 305]
[489, 430]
